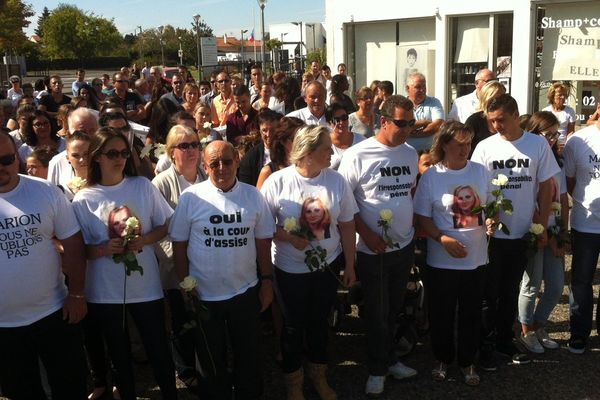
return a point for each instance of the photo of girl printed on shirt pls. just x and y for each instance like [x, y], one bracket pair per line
[315, 216]
[116, 222]
[465, 199]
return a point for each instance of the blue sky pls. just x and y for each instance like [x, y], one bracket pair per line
[224, 16]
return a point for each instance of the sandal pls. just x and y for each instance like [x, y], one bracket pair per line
[440, 372]
[471, 376]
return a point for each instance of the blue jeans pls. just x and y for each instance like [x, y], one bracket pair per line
[544, 265]
[383, 279]
[586, 248]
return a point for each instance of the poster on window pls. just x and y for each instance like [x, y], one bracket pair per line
[415, 57]
[571, 42]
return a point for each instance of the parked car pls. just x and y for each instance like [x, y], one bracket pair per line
[168, 73]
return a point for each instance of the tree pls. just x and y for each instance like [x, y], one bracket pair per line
[13, 19]
[41, 19]
[71, 33]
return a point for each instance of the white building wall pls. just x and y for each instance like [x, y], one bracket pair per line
[340, 12]
[289, 34]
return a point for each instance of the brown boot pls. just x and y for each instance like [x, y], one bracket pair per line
[293, 385]
[317, 374]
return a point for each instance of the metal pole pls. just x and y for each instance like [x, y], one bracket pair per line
[262, 42]
[302, 60]
[162, 48]
[196, 24]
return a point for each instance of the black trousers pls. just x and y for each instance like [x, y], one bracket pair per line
[501, 290]
[60, 347]
[306, 301]
[383, 279]
[149, 318]
[236, 319]
[449, 291]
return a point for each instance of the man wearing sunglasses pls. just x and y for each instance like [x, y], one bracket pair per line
[465, 105]
[129, 101]
[219, 245]
[176, 95]
[429, 112]
[382, 171]
[39, 315]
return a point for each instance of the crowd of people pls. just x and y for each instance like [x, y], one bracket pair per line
[173, 214]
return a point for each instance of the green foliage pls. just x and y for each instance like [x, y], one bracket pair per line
[13, 17]
[273, 44]
[41, 19]
[318, 55]
[71, 33]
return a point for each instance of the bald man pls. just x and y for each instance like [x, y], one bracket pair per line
[220, 228]
[465, 105]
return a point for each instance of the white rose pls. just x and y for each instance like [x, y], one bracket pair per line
[132, 223]
[189, 283]
[501, 180]
[555, 207]
[290, 224]
[159, 150]
[207, 125]
[146, 150]
[386, 215]
[78, 182]
[536, 229]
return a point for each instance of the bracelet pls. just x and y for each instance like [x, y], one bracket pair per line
[266, 277]
[77, 296]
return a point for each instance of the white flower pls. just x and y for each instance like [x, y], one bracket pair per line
[290, 224]
[536, 229]
[146, 150]
[159, 150]
[132, 223]
[507, 212]
[78, 182]
[207, 125]
[501, 180]
[205, 140]
[555, 207]
[447, 199]
[386, 215]
[188, 284]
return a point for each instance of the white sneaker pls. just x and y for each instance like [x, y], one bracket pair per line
[401, 371]
[545, 340]
[375, 385]
[531, 343]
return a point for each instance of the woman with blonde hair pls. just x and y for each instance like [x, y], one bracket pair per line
[557, 97]
[478, 122]
[306, 262]
[191, 96]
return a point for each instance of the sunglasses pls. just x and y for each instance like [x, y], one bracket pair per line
[403, 123]
[8, 160]
[341, 118]
[114, 154]
[216, 164]
[551, 135]
[41, 125]
[186, 146]
[224, 81]
[122, 81]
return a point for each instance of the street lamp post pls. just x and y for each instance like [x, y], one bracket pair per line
[242, 44]
[281, 50]
[162, 47]
[180, 52]
[140, 41]
[313, 35]
[196, 25]
[262, 4]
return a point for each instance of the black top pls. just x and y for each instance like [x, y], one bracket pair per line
[479, 125]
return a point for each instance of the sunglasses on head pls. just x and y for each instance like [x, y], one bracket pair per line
[8, 160]
[341, 118]
[186, 146]
[403, 123]
[216, 164]
[114, 154]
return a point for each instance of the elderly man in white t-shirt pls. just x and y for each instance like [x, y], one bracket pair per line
[220, 228]
[38, 315]
[464, 106]
[314, 112]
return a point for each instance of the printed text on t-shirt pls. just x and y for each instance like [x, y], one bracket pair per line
[233, 239]
[18, 234]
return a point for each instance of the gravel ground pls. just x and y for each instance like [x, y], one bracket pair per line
[557, 374]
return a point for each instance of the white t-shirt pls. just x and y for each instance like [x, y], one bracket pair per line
[526, 162]
[565, 117]
[60, 172]
[18, 136]
[582, 162]
[31, 280]
[288, 193]
[221, 228]
[382, 177]
[94, 207]
[336, 157]
[441, 195]
[305, 115]
[559, 187]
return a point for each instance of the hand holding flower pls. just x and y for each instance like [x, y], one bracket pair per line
[136, 244]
